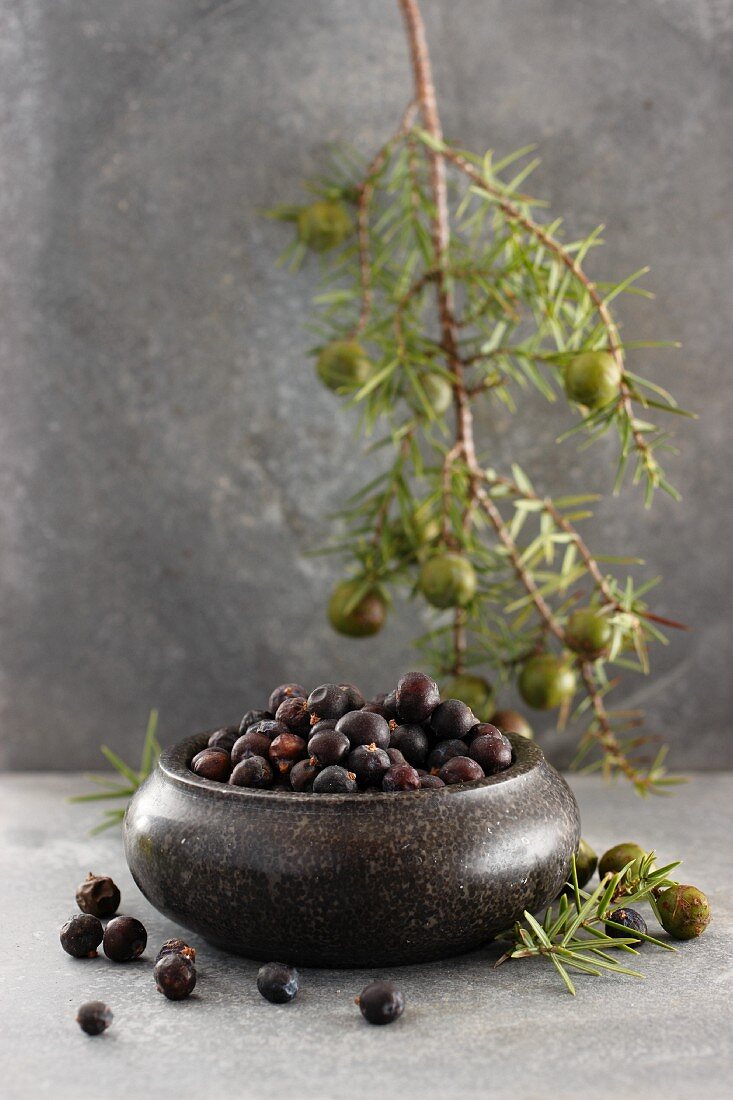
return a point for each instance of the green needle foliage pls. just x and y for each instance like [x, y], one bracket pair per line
[573, 934]
[131, 778]
[477, 300]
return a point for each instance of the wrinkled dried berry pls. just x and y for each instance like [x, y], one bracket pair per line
[124, 939]
[452, 720]
[82, 935]
[278, 983]
[431, 782]
[412, 741]
[213, 764]
[253, 771]
[461, 769]
[251, 743]
[285, 750]
[302, 775]
[252, 717]
[631, 921]
[176, 947]
[368, 763]
[400, 777]
[98, 895]
[363, 727]
[334, 780]
[285, 691]
[395, 756]
[416, 698]
[224, 738]
[174, 976]
[381, 1002]
[443, 752]
[329, 747]
[494, 754]
[355, 698]
[294, 714]
[329, 701]
[94, 1017]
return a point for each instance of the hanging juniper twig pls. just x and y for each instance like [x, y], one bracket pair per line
[446, 290]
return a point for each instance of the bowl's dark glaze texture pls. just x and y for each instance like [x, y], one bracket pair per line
[351, 880]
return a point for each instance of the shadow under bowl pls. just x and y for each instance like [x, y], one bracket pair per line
[352, 879]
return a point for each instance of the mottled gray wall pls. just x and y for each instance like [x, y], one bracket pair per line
[165, 455]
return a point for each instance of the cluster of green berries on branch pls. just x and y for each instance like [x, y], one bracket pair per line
[437, 298]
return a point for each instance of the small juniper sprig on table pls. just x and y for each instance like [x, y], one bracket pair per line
[132, 778]
[574, 934]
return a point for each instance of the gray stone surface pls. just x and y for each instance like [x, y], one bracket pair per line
[468, 1031]
[165, 455]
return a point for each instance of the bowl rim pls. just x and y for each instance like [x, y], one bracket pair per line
[174, 762]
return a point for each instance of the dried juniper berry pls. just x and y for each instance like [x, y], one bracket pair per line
[381, 1002]
[294, 714]
[368, 763]
[334, 780]
[328, 747]
[417, 697]
[94, 1017]
[395, 756]
[363, 727]
[82, 935]
[302, 775]
[431, 782]
[461, 769]
[98, 895]
[452, 720]
[174, 976]
[389, 702]
[329, 701]
[378, 708]
[400, 777]
[285, 691]
[286, 750]
[251, 743]
[252, 717]
[354, 696]
[176, 947]
[212, 764]
[322, 726]
[494, 754]
[484, 729]
[253, 771]
[444, 751]
[224, 738]
[124, 939]
[270, 727]
[631, 921]
[412, 741]
[278, 983]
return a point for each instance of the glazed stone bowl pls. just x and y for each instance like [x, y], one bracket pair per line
[351, 879]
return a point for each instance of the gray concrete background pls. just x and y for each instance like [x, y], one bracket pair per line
[166, 456]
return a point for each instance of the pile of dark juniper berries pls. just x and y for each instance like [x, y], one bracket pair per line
[335, 742]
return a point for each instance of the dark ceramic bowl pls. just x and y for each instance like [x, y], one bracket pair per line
[353, 879]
